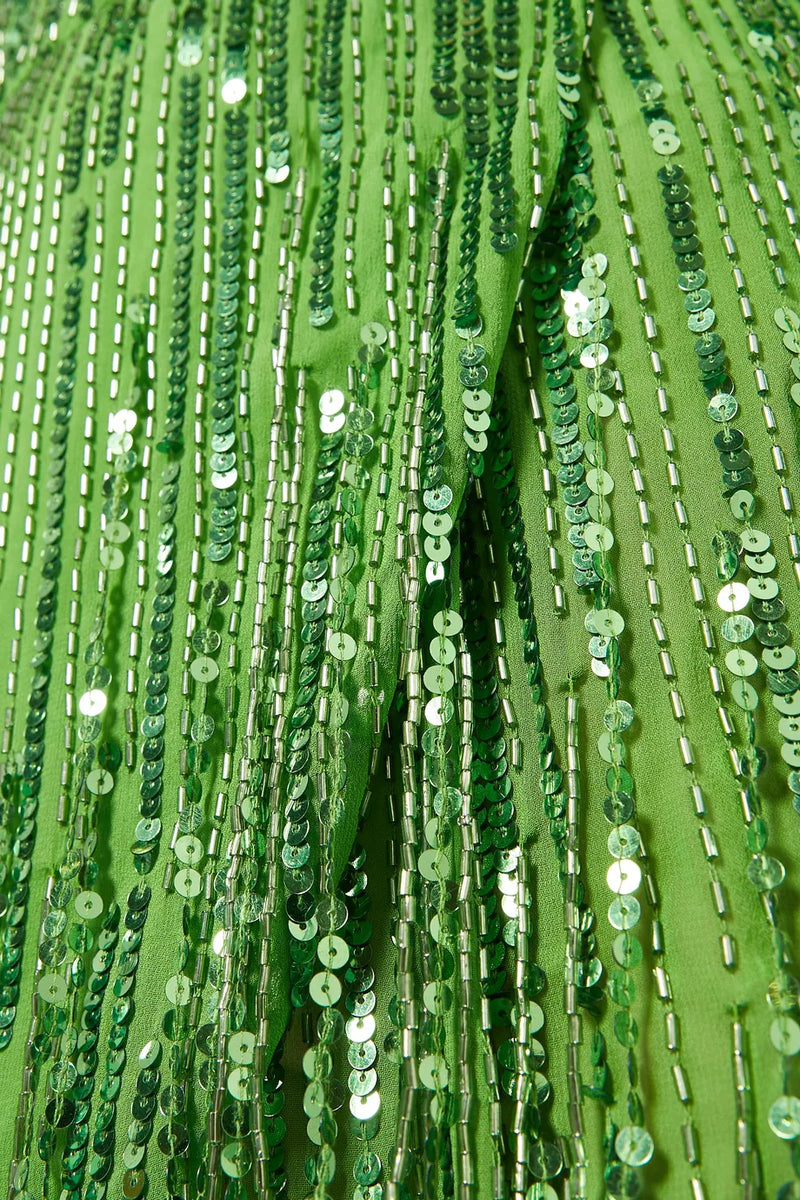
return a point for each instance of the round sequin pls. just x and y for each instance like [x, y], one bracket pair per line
[623, 841]
[238, 1083]
[634, 1145]
[234, 89]
[373, 334]
[754, 541]
[204, 669]
[604, 621]
[99, 782]
[88, 905]
[733, 597]
[325, 989]
[92, 703]
[178, 989]
[784, 1033]
[737, 629]
[624, 876]
[188, 883]
[597, 537]
[241, 1048]
[434, 1072]
[52, 989]
[342, 646]
[722, 407]
[765, 872]
[189, 849]
[744, 694]
[624, 912]
[784, 1117]
[741, 662]
[333, 952]
[787, 319]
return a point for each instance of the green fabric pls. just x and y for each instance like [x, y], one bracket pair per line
[704, 990]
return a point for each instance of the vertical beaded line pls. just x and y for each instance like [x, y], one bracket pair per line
[297, 790]
[400, 800]
[573, 920]
[336, 598]
[20, 186]
[260, 762]
[355, 159]
[504, 87]
[331, 783]
[76, 104]
[224, 473]
[171, 439]
[466, 311]
[233, 948]
[362, 1053]
[633, 1145]
[150, 789]
[411, 673]
[182, 990]
[277, 165]
[434, 1068]
[35, 387]
[548, 483]
[182, 874]
[466, 911]
[410, 412]
[443, 72]
[329, 119]
[190, 807]
[477, 867]
[308, 46]
[436, 863]
[83, 1087]
[285, 584]
[156, 242]
[748, 1163]
[368, 1167]
[407, 888]
[524, 1089]
[365, 1102]
[137, 902]
[570, 219]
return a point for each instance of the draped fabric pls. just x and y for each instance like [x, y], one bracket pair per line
[400, 751]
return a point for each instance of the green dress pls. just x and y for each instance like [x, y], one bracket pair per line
[399, 577]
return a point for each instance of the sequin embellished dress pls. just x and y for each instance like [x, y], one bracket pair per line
[399, 600]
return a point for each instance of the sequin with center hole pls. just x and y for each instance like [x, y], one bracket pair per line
[784, 1117]
[624, 876]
